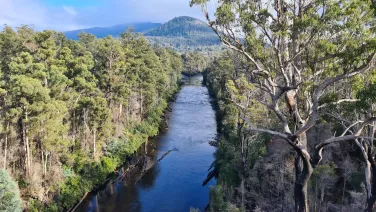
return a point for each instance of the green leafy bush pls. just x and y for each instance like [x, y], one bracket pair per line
[9, 193]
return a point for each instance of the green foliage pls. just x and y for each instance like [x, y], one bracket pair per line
[228, 84]
[78, 107]
[194, 63]
[10, 199]
[72, 190]
[181, 26]
[304, 62]
[322, 174]
[117, 147]
[216, 199]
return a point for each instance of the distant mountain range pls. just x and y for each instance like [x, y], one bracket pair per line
[181, 33]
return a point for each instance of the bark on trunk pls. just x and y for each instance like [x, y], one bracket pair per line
[301, 194]
[6, 146]
[27, 145]
[243, 191]
[120, 111]
[371, 204]
[344, 190]
[141, 106]
[303, 172]
[44, 162]
[95, 143]
[370, 173]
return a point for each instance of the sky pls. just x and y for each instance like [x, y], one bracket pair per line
[64, 15]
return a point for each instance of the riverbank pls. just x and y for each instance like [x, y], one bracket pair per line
[132, 160]
[227, 167]
[174, 183]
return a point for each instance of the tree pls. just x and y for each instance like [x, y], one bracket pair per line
[61, 108]
[194, 63]
[350, 117]
[299, 51]
[243, 96]
[9, 193]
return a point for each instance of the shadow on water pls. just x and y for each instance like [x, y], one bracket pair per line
[174, 184]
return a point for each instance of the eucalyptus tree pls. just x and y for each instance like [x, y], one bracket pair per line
[299, 49]
[350, 117]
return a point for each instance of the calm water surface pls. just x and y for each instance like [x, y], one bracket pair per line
[174, 184]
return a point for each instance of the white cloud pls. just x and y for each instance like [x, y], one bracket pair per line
[70, 10]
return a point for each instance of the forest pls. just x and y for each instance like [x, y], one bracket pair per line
[72, 111]
[185, 34]
[296, 105]
[295, 94]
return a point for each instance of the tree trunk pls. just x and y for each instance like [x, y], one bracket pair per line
[315, 203]
[141, 106]
[301, 197]
[27, 145]
[95, 143]
[343, 190]
[322, 194]
[370, 172]
[303, 171]
[371, 204]
[74, 129]
[43, 163]
[120, 110]
[243, 164]
[243, 191]
[146, 146]
[6, 146]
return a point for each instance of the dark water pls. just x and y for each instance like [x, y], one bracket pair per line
[174, 184]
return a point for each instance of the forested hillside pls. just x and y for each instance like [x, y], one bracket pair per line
[183, 26]
[71, 111]
[296, 101]
[185, 33]
[181, 33]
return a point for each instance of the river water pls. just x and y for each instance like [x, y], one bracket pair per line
[175, 183]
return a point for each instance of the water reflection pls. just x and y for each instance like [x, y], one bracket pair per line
[174, 184]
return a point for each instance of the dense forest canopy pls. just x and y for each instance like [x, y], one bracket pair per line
[194, 63]
[182, 26]
[308, 66]
[295, 92]
[71, 111]
[185, 33]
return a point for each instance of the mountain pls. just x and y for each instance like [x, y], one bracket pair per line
[183, 26]
[114, 31]
[183, 33]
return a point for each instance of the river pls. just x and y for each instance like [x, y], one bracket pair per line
[175, 183]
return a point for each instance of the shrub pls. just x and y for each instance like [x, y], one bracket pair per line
[9, 193]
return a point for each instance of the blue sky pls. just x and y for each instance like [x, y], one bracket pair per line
[73, 3]
[65, 15]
